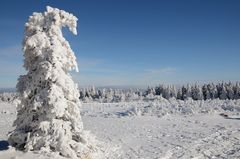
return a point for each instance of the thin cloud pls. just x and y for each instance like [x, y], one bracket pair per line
[86, 63]
[99, 70]
[100, 80]
[147, 77]
[161, 71]
[93, 65]
[92, 70]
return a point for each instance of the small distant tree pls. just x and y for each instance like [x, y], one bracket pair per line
[165, 92]
[230, 90]
[222, 92]
[212, 90]
[122, 97]
[186, 92]
[237, 91]
[173, 91]
[158, 90]
[179, 94]
[109, 96]
[197, 92]
[206, 93]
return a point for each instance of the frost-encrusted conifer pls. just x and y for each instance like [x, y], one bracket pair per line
[223, 92]
[230, 91]
[237, 91]
[197, 92]
[48, 115]
[179, 94]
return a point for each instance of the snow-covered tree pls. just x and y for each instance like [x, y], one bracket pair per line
[109, 96]
[48, 115]
[173, 91]
[189, 93]
[230, 90]
[197, 92]
[212, 90]
[122, 97]
[179, 94]
[165, 92]
[140, 95]
[159, 90]
[150, 91]
[206, 93]
[222, 91]
[237, 91]
[186, 92]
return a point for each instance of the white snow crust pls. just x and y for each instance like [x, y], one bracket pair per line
[162, 130]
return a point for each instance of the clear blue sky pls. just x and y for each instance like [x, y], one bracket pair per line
[135, 42]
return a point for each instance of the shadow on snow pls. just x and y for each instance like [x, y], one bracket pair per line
[3, 145]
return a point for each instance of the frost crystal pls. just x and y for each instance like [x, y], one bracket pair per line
[48, 116]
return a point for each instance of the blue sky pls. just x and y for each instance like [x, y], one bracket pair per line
[135, 42]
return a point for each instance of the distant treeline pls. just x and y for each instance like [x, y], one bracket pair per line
[223, 91]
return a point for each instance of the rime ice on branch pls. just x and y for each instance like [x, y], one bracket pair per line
[48, 115]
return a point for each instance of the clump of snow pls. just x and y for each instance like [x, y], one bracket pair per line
[9, 97]
[5, 112]
[48, 116]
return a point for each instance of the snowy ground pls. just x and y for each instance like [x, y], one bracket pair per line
[152, 130]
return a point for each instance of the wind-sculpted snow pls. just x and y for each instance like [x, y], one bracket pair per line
[161, 130]
[162, 107]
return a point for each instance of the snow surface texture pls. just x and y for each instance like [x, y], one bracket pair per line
[8, 97]
[48, 117]
[162, 107]
[149, 134]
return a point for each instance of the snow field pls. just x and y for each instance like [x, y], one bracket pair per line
[152, 130]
